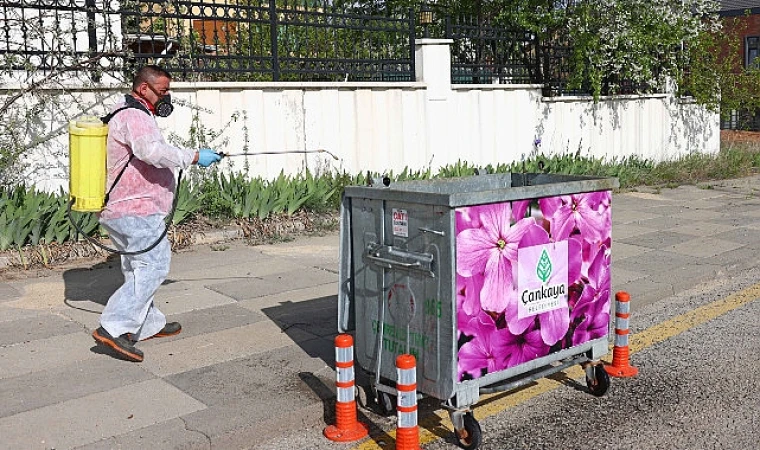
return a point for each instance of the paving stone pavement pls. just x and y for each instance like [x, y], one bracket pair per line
[255, 358]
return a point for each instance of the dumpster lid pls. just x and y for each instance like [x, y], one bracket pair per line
[483, 189]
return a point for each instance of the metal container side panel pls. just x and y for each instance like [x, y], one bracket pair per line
[401, 310]
[346, 313]
[366, 227]
[532, 282]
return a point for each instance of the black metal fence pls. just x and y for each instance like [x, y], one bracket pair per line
[246, 40]
[275, 40]
[742, 120]
[487, 54]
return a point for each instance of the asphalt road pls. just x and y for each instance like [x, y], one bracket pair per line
[698, 387]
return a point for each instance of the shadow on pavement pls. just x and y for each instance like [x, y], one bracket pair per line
[94, 284]
[327, 395]
[323, 391]
[318, 317]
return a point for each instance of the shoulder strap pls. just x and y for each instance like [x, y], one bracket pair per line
[107, 118]
[131, 102]
[118, 177]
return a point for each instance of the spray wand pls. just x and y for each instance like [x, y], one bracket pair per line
[321, 150]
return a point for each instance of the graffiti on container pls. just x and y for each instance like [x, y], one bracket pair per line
[433, 307]
[395, 339]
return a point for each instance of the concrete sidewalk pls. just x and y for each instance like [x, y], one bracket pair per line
[254, 361]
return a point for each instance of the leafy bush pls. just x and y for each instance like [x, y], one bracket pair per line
[28, 217]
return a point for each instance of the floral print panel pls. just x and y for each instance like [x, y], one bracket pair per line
[533, 278]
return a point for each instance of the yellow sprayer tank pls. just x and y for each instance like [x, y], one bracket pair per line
[87, 163]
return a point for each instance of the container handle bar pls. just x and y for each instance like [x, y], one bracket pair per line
[414, 265]
[393, 258]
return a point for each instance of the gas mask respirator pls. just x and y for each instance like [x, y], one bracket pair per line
[163, 106]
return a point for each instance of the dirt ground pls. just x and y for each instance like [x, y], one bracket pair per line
[45, 260]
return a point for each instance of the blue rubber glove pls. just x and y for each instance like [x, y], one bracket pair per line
[206, 157]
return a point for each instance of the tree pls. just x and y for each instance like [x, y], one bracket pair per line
[639, 42]
[633, 46]
[716, 76]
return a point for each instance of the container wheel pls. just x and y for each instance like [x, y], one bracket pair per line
[362, 396]
[387, 403]
[599, 383]
[470, 437]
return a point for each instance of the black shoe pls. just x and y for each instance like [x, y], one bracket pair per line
[122, 345]
[170, 329]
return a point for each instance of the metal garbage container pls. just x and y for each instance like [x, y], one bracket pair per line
[490, 281]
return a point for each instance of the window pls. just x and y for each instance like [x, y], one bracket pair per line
[751, 51]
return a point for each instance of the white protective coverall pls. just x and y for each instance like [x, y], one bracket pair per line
[134, 218]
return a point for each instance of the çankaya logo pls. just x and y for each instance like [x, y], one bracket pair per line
[542, 278]
[544, 267]
[544, 271]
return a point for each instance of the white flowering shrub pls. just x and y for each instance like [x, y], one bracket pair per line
[641, 42]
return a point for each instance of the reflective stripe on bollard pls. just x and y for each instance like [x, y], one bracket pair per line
[620, 352]
[346, 427]
[407, 433]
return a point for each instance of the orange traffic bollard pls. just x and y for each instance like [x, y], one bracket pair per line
[407, 433]
[346, 428]
[620, 354]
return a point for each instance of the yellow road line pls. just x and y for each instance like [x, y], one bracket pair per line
[439, 425]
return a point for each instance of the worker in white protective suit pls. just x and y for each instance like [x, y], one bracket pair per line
[141, 178]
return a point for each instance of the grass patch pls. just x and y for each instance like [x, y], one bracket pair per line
[734, 160]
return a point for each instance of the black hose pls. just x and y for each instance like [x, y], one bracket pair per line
[97, 243]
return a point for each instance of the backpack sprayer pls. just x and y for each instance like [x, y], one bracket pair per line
[87, 171]
[87, 174]
[87, 163]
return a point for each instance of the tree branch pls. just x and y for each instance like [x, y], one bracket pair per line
[82, 65]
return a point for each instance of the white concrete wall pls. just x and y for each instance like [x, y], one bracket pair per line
[389, 126]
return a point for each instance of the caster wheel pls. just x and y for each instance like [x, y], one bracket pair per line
[471, 436]
[387, 403]
[599, 384]
[362, 398]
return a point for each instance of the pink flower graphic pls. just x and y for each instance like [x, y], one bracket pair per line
[519, 209]
[580, 212]
[487, 350]
[473, 325]
[468, 293]
[490, 250]
[592, 318]
[591, 315]
[466, 217]
[491, 335]
[470, 316]
[599, 270]
[525, 347]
